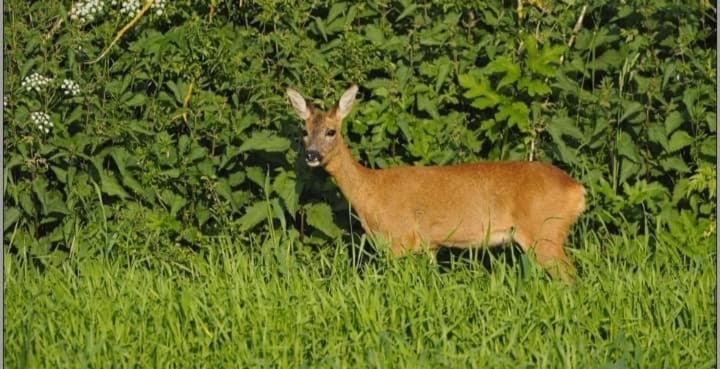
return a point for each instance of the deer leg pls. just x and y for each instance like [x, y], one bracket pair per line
[546, 244]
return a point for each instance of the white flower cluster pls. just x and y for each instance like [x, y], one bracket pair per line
[5, 101]
[70, 87]
[132, 7]
[42, 120]
[129, 7]
[159, 6]
[86, 11]
[35, 82]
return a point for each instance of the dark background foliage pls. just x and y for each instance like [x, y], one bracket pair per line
[183, 131]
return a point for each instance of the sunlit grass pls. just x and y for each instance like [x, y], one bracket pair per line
[637, 304]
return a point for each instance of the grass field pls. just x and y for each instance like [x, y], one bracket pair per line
[640, 302]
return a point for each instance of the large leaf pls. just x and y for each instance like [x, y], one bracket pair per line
[254, 215]
[656, 133]
[265, 141]
[286, 187]
[483, 94]
[679, 140]
[110, 186]
[565, 126]
[627, 147]
[319, 215]
[374, 34]
[427, 105]
[11, 216]
[537, 87]
[673, 121]
[674, 163]
[505, 66]
[630, 110]
[175, 201]
[516, 114]
[543, 61]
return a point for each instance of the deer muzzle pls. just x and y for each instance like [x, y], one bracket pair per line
[313, 158]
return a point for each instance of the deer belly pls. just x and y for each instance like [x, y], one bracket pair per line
[463, 229]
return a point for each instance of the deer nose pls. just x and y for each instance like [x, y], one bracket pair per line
[313, 157]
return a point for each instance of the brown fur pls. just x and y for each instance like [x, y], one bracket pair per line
[488, 203]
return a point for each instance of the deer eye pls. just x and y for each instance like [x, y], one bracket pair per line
[330, 133]
[304, 132]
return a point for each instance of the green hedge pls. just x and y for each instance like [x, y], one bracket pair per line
[182, 130]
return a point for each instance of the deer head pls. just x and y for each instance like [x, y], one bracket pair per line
[321, 134]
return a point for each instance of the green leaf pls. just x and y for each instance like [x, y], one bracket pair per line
[517, 114]
[11, 216]
[674, 163]
[504, 65]
[172, 173]
[136, 100]
[565, 126]
[709, 146]
[254, 215]
[321, 27]
[287, 188]
[630, 110]
[374, 34]
[27, 204]
[541, 62]
[178, 89]
[679, 140]
[409, 10]
[110, 186]
[278, 213]
[39, 187]
[336, 10]
[427, 105]
[690, 97]
[538, 88]
[628, 169]
[256, 175]
[610, 59]
[74, 116]
[485, 96]
[443, 70]
[265, 141]
[175, 201]
[656, 133]
[626, 147]
[672, 122]
[319, 215]
[223, 189]
[55, 204]
[711, 120]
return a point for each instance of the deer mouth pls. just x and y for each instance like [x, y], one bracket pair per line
[313, 158]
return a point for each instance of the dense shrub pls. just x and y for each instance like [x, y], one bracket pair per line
[182, 131]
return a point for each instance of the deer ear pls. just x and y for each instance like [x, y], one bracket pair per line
[298, 103]
[346, 101]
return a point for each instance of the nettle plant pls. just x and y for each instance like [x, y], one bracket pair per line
[172, 124]
[517, 89]
[56, 169]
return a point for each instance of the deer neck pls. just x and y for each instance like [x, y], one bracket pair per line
[350, 176]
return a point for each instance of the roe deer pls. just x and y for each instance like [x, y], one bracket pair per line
[487, 203]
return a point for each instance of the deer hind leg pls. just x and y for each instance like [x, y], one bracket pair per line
[545, 242]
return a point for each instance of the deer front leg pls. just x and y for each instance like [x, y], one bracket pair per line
[413, 243]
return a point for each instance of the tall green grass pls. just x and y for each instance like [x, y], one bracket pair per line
[639, 302]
